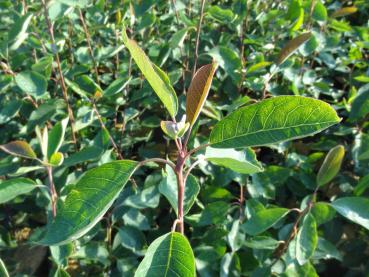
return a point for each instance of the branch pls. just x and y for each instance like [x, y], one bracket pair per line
[198, 37]
[61, 77]
[197, 149]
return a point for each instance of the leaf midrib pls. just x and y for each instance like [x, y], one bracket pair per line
[169, 255]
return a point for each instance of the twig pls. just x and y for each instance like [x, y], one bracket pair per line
[53, 194]
[157, 160]
[116, 148]
[88, 40]
[189, 153]
[198, 37]
[192, 166]
[61, 77]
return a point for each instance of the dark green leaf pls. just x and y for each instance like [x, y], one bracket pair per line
[355, 209]
[10, 189]
[32, 83]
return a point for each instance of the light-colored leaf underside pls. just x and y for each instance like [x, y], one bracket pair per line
[198, 91]
[277, 119]
[163, 89]
[168, 256]
[85, 205]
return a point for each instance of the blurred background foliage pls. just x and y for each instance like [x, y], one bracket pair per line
[104, 88]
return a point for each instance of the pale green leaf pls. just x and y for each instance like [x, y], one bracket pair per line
[273, 120]
[168, 255]
[307, 239]
[56, 137]
[331, 165]
[164, 91]
[243, 161]
[88, 201]
[355, 209]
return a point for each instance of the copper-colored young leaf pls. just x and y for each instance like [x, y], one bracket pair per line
[19, 148]
[344, 11]
[292, 46]
[198, 91]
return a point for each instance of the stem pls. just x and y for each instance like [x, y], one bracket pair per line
[88, 40]
[61, 77]
[53, 194]
[104, 127]
[190, 169]
[158, 160]
[198, 37]
[181, 187]
[197, 149]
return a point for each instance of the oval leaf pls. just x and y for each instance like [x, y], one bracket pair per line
[32, 83]
[19, 148]
[344, 11]
[355, 209]
[273, 120]
[292, 46]
[168, 255]
[331, 165]
[56, 137]
[10, 189]
[307, 239]
[164, 90]
[240, 161]
[56, 159]
[198, 91]
[263, 220]
[86, 204]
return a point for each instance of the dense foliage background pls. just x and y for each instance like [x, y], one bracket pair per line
[105, 88]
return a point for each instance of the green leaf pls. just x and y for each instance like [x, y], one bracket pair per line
[322, 212]
[198, 91]
[273, 120]
[8, 110]
[131, 238]
[117, 86]
[344, 11]
[360, 104]
[56, 137]
[18, 32]
[355, 209]
[168, 255]
[164, 91]
[3, 271]
[10, 189]
[292, 46]
[88, 201]
[320, 12]
[263, 220]
[221, 15]
[243, 161]
[56, 159]
[19, 148]
[168, 187]
[307, 239]
[362, 185]
[177, 39]
[32, 83]
[44, 66]
[331, 165]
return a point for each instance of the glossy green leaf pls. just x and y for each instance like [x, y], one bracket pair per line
[44, 66]
[19, 148]
[243, 161]
[292, 46]
[56, 137]
[116, 87]
[331, 165]
[273, 120]
[12, 188]
[322, 212]
[307, 239]
[168, 255]
[88, 201]
[355, 209]
[3, 270]
[263, 220]
[198, 91]
[360, 104]
[131, 238]
[165, 92]
[32, 83]
[168, 187]
[8, 110]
